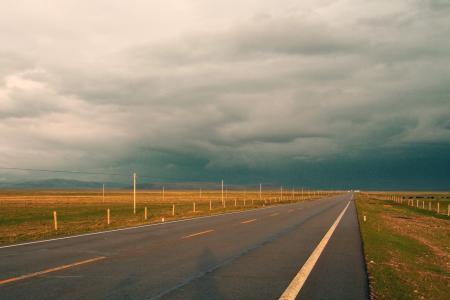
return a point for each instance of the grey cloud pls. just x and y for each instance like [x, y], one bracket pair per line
[262, 39]
[249, 96]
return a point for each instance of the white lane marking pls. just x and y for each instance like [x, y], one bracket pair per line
[198, 233]
[299, 280]
[274, 214]
[137, 227]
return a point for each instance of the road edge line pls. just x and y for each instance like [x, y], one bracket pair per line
[299, 280]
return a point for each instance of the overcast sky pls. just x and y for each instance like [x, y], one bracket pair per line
[307, 93]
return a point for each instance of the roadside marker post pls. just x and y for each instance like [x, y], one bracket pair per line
[210, 204]
[108, 219]
[55, 220]
[193, 208]
[173, 209]
[429, 205]
[145, 213]
[437, 210]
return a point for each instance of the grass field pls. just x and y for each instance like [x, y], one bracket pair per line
[407, 249]
[28, 215]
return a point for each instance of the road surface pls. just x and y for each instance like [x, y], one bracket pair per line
[247, 255]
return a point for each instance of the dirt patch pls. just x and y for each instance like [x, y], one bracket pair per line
[431, 232]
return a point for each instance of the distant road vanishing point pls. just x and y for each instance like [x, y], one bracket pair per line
[307, 250]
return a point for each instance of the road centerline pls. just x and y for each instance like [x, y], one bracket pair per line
[299, 280]
[197, 234]
[248, 221]
[51, 270]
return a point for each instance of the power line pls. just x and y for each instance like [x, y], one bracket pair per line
[62, 171]
[88, 173]
[121, 175]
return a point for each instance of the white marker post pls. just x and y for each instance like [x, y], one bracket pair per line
[103, 195]
[193, 208]
[145, 213]
[134, 193]
[55, 220]
[173, 209]
[108, 219]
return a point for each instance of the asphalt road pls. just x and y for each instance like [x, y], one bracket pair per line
[247, 255]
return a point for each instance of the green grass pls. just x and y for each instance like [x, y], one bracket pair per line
[400, 264]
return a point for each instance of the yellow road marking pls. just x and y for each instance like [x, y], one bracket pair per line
[248, 221]
[198, 233]
[51, 270]
[274, 214]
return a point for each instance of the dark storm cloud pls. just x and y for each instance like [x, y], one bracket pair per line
[276, 88]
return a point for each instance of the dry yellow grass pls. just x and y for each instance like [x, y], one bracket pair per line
[27, 215]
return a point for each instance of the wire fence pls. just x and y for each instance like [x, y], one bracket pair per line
[37, 213]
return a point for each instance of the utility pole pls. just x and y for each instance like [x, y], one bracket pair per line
[260, 189]
[134, 192]
[223, 203]
[281, 194]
